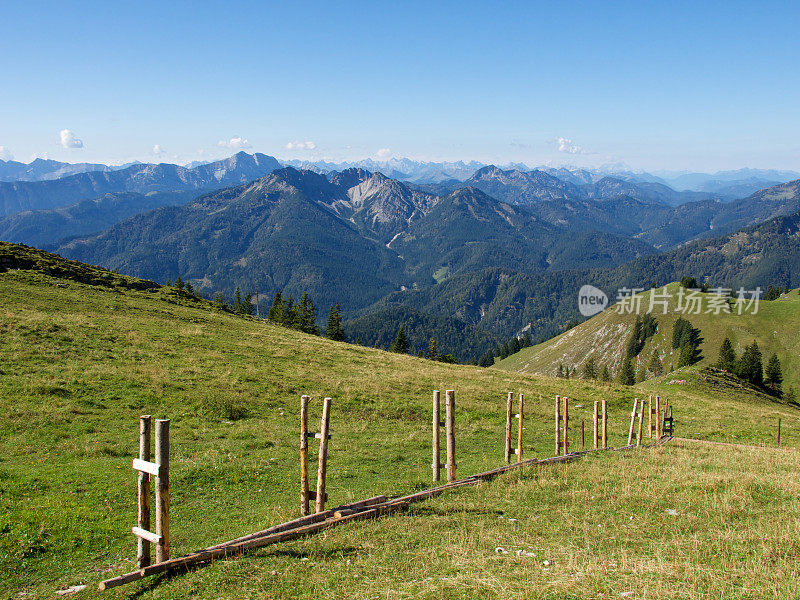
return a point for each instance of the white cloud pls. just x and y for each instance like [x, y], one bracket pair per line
[158, 150]
[298, 145]
[235, 143]
[384, 153]
[566, 145]
[5, 154]
[69, 140]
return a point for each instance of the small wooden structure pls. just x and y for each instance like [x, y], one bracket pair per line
[669, 425]
[160, 471]
[562, 425]
[450, 423]
[306, 495]
[509, 416]
[436, 465]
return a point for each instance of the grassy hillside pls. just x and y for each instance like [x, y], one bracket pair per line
[776, 328]
[79, 363]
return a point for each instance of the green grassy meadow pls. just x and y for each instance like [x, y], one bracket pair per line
[80, 363]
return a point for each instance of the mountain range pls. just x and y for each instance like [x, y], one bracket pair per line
[41, 169]
[496, 254]
[372, 244]
[351, 238]
[16, 196]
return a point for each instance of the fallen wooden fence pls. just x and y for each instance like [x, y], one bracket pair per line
[308, 525]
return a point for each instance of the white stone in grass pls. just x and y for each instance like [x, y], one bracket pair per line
[626, 594]
[671, 511]
[501, 550]
[512, 520]
[548, 563]
[525, 553]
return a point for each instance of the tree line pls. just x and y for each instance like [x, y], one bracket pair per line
[749, 367]
[400, 346]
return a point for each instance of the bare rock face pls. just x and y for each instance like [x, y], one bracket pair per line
[379, 205]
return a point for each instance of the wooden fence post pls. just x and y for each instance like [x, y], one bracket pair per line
[779, 432]
[641, 421]
[162, 489]
[558, 425]
[659, 420]
[565, 429]
[521, 417]
[436, 465]
[650, 417]
[304, 488]
[633, 421]
[595, 418]
[143, 545]
[323, 454]
[605, 425]
[509, 407]
[450, 407]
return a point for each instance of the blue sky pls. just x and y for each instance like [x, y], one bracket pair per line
[666, 85]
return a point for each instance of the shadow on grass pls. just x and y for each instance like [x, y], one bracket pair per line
[431, 510]
[334, 553]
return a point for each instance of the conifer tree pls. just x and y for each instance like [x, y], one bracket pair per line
[685, 355]
[687, 339]
[290, 313]
[189, 289]
[590, 369]
[773, 374]
[605, 374]
[276, 310]
[237, 300]
[219, 301]
[306, 315]
[634, 342]
[179, 283]
[432, 353]
[678, 331]
[560, 372]
[334, 330]
[487, 360]
[727, 356]
[790, 395]
[656, 368]
[400, 343]
[751, 367]
[627, 374]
